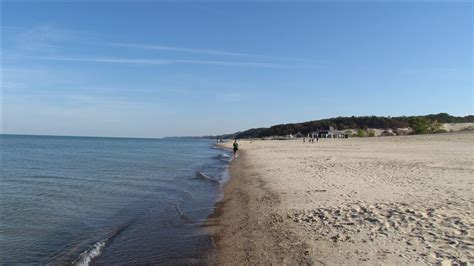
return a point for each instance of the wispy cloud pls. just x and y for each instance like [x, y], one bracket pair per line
[171, 61]
[44, 37]
[201, 51]
[181, 49]
[47, 42]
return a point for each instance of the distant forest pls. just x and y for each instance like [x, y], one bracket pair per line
[342, 123]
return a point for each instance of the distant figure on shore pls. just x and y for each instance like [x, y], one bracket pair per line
[317, 138]
[304, 140]
[236, 148]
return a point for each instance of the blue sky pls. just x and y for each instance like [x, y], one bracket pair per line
[151, 69]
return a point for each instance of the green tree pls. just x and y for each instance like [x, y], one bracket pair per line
[371, 133]
[419, 125]
[361, 133]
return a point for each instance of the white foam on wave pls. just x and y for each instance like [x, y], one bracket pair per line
[223, 157]
[86, 257]
[201, 175]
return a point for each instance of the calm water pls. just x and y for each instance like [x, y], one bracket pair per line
[106, 200]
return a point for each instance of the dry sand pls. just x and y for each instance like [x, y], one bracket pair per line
[389, 200]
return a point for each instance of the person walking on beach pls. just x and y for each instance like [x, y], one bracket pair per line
[236, 148]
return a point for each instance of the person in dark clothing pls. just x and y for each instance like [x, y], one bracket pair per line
[236, 147]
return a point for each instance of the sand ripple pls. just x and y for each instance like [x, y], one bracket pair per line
[433, 233]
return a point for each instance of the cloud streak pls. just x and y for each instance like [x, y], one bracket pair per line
[200, 51]
[46, 42]
[43, 38]
[134, 61]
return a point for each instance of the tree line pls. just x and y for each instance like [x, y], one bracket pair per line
[419, 124]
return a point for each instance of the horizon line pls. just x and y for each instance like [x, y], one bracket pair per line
[210, 135]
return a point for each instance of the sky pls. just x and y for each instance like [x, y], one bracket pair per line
[155, 69]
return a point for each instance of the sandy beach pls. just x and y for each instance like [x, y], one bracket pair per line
[387, 200]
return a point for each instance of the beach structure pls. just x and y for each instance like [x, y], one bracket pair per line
[330, 133]
[299, 135]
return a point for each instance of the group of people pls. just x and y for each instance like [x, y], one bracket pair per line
[311, 139]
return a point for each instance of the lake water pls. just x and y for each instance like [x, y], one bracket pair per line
[88, 200]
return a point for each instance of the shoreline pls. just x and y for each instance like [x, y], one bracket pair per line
[393, 200]
[240, 234]
[210, 224]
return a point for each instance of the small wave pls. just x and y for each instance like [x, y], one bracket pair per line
[86, 257]
[182, 215]
[223, 157]
[49, 177]
[217, 147]
[200, 175]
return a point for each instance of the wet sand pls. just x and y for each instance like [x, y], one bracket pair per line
[388, 200]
